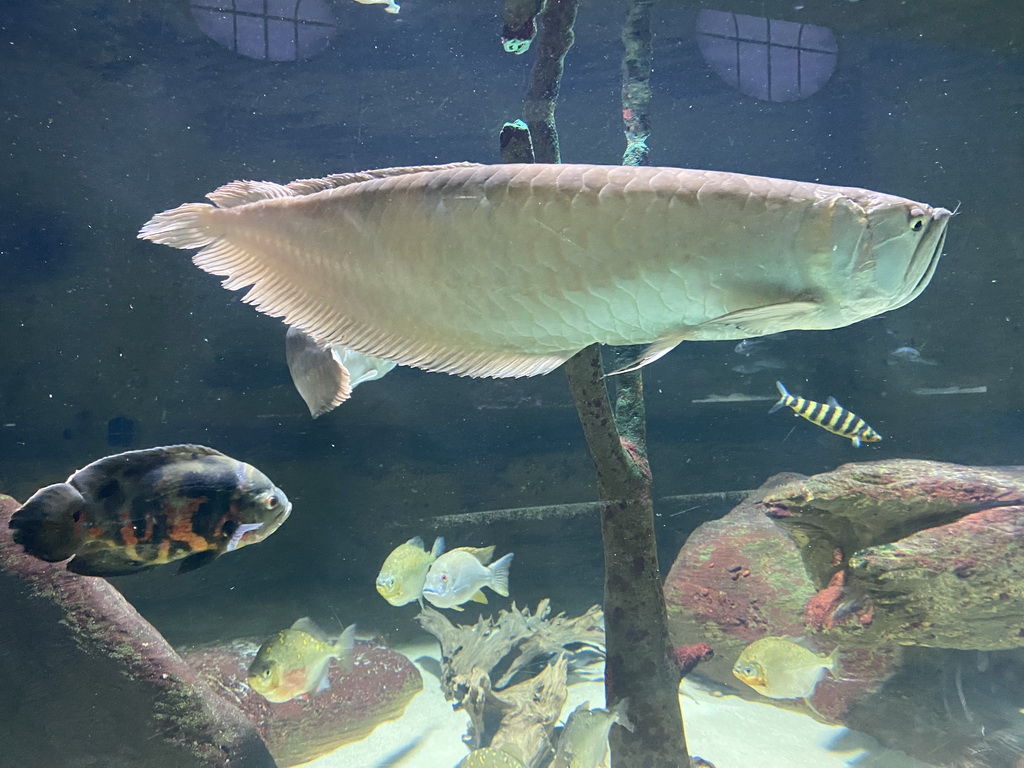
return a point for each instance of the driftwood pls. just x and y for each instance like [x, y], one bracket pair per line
[485, 670]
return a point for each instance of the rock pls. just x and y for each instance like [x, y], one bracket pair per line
[377, 689]
[87, 681]
[878, 502]
[740, 578]
[911, 552]
[897, 564]
[960, 585]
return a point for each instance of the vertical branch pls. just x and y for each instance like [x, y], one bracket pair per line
[555, 40]
[636, 81]
[639, 664]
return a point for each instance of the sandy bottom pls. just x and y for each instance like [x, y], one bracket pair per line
[727, 730]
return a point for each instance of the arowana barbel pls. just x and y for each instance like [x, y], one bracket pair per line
[509, 270]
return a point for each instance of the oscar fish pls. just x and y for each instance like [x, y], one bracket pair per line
[511, 269]
[830, 416]
[132, 511]
[295, 661]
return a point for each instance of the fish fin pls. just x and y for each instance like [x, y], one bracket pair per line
[833, 664]
[198, 560]
[655, 351]
[417, 541]
[106, 561]
[782, 399]
[499, 574]
[767, 319]
[321, 379]
[438, 549]
[325, 680]
[457, 608]
[203, 226]
[360, 367]
[483, 554]
[833, 402]
[346, 646]
[242, 192]
[134, 462]
[45, 524]
[479, 597]
[856, 441]
[619, 714]
[310, 627]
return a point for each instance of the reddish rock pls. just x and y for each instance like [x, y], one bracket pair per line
[710, 600]
[689, 656]
[377, 689]
[86, 677]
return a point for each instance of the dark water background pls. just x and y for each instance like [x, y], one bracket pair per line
[112, 111]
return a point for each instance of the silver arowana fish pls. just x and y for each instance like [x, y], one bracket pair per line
[509, 270]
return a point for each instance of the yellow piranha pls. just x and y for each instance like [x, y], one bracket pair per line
[584, 739]
[780, 668]
[401, 578]
[295, 661]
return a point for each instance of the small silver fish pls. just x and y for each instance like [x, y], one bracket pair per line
[909, 355]
[460, 575]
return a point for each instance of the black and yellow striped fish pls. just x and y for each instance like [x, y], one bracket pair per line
[831, 416]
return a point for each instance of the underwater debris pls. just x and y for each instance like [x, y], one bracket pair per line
[687, 657]
[471, 251]
[474, 673]
[390, 6]
[132, 511]
[735, 397]
[950, 390]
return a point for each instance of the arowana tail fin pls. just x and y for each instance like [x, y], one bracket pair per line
[45, 525]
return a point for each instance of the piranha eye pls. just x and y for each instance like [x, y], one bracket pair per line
[444, 577]
[271, 501]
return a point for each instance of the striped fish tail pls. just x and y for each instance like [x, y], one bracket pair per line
[784, 399]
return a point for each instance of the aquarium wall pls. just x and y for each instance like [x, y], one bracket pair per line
[113, 111]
